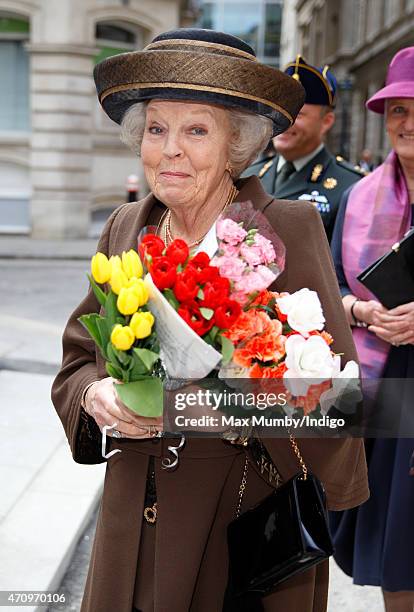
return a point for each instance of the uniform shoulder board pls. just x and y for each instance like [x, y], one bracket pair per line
[258, 165]
[343, 163]
[266, 166]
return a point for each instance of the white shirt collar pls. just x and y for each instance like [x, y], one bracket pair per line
[301, 161]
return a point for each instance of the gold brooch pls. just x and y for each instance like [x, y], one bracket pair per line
[316, 172]
[330, 183]
[150, 513]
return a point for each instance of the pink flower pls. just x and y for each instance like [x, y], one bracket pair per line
[256, 280]
[230, 267]
[252, 254]
[229, 231]
[250, 282]
[268, 277]
[230, 250]
[267, 251]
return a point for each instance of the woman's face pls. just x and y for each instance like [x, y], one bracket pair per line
[184, 150]
[400, 126]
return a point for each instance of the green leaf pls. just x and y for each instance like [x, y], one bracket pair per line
[262, 307]
[102, 326]
[111, 310]
[119, 358]
[213, 332]
[114, 371]
[89, 322]
[227, 349]
[136, 368]
[169, 294]
[200, 294]
[99, 294]
[147, 357]
[207, 313]
[145, 396]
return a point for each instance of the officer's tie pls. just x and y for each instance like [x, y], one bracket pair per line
[287, 169]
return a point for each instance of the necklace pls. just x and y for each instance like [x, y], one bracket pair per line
[160, 222]
[168, 236]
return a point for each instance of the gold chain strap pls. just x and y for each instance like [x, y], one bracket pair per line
[242, 487]
[298, 455]
[243, 484]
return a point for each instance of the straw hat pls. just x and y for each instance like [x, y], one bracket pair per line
[202, 66]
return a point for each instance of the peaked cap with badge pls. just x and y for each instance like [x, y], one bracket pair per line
[324, 177]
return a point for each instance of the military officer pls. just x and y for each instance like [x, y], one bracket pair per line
[303, 168]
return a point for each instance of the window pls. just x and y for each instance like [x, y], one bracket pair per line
[273, 20]
[14, 75]
[257, 22]
[15, 194]
[112, 39]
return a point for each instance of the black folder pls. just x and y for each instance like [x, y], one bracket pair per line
[391, 277]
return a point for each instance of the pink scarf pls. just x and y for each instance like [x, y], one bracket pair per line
[377, 216]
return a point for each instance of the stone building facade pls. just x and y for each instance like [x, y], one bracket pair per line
[61, 160]
[357, 38]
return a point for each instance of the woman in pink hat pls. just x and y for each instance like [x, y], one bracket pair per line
[375, 542]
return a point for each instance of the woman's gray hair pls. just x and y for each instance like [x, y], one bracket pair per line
[251, 134]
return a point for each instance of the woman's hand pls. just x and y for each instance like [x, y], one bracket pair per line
[395, 326]
[102, 403]
[367, 311]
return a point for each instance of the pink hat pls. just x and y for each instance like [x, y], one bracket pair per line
[399, 83]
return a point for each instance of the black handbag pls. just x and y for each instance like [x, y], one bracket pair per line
[286, 533]
[391, 277]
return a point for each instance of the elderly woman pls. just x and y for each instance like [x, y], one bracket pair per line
[198, 108]
[375, 542]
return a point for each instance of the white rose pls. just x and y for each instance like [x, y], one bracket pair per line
[345, 392]
[303, 310]
[309, 361]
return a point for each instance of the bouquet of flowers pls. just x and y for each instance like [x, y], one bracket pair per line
[282, 336]
[192, 305]
[123, 331]
[201, 296]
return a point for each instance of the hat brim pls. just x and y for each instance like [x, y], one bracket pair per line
[128, 78]
[402, 89]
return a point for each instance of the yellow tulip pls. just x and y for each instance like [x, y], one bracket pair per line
[128, 301]
[141, 324]
[118, 280]
[131, 264]
[115, 262]
[100, 268]
[122, 337]
[140, 288]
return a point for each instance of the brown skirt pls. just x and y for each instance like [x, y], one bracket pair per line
[306, 592]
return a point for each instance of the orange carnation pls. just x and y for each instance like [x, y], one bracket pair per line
[247, 325]
[269, 346]
[311, 400]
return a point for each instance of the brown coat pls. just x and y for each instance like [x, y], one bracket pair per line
[183, 560]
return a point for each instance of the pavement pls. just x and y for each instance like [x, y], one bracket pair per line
[23, 247]
[48, 503]
[46, 499]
